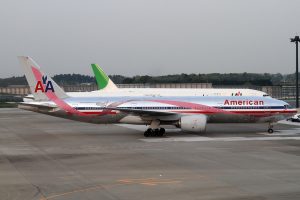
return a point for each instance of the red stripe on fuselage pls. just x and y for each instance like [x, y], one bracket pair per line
[203, 109]
[245, 112]
[99, 113]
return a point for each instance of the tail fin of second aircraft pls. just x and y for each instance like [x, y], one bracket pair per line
[42, 86]
[103, 81]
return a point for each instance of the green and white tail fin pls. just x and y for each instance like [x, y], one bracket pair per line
[42, 87]
[103, 81]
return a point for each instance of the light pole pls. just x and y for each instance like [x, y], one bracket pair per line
[296, 40]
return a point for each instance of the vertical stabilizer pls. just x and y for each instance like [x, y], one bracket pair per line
[103, 81]
[42, 87]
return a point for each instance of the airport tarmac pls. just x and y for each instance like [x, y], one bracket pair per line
[43, 157]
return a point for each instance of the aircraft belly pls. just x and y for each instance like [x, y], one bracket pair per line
[133, 119]
[238, 118]
[100, 119]
[229, 118]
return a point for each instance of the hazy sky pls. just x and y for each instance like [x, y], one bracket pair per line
[154, 37]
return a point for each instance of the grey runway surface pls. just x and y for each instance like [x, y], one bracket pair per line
[43, 157]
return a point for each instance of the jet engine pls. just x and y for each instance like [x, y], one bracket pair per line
[193, 123]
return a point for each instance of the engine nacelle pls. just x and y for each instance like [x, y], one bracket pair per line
[193, 123]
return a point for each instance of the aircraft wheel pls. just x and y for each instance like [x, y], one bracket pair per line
[156, 132]
[270, 130]
[148, 132]
[161, 132]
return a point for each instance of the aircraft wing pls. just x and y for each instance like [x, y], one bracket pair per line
[142, 112]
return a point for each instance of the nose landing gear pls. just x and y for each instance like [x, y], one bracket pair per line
[270, 129]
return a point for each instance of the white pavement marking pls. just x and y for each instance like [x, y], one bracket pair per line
[223, 139]
[277, 135]
[289, 123]
[293, 131]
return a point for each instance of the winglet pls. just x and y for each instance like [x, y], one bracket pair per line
[103, 81]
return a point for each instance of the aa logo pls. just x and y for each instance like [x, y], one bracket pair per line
[44, 86]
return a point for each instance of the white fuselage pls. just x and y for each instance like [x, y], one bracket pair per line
[164, 92]
[169, 110]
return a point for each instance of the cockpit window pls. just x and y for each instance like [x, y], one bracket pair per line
[286, 106]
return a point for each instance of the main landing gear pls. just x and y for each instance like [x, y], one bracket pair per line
[154, 130]
[158, 132]
[270, 129]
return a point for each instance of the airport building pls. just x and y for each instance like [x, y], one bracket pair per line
[274, 91]
[80, 88]
[24, 89]
[167, 85]
[15, 89]
[285, 91]
[288, 91]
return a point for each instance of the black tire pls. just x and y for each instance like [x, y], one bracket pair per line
[148, 132]
[162, 131]
[156, 132]
[270, 130]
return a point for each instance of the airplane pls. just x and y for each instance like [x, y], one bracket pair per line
[190, 113]
[107, 87]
